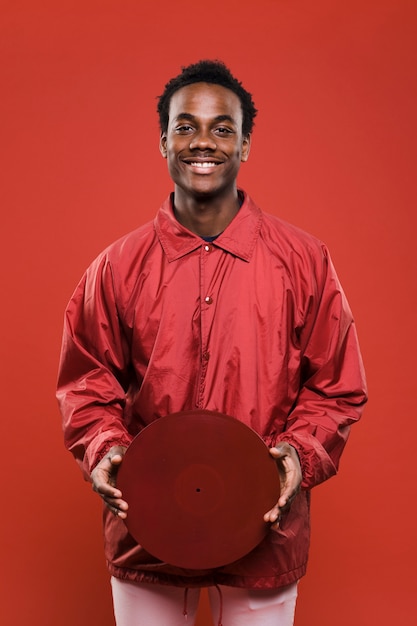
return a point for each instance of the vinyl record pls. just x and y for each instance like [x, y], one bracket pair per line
[198, 484]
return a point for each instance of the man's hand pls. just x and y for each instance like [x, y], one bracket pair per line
[290, 476]
[103, 478]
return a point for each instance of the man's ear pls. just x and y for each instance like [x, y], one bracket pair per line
[245, 148]
[163, 145]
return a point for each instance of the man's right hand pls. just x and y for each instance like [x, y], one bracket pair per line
[103, 478]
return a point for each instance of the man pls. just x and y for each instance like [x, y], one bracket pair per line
[214, 305]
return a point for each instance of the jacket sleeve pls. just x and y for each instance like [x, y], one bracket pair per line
[93, 369]
[332, 386]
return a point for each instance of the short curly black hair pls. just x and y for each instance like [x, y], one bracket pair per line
[207, 71]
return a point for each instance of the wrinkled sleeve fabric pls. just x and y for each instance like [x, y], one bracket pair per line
[93, 370]
[332, 385]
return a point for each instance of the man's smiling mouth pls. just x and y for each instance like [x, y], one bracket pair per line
[203, 164]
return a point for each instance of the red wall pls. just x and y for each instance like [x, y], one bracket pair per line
[334, 151]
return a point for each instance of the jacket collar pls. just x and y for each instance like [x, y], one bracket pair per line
[238, 238]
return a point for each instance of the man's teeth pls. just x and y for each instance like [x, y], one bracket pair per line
[203, 164]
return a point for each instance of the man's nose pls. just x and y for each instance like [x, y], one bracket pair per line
[203, 140]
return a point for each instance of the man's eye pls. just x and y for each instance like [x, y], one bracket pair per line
[222, 130]
[184, 128]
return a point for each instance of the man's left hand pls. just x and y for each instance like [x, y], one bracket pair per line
[290, 476]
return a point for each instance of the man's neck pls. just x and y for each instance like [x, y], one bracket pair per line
[205, 217]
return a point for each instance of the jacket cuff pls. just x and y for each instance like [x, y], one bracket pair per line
[316, 464]
[97, 450]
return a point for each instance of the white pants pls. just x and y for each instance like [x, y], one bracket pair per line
[162, 605]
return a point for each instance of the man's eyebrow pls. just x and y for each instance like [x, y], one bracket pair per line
[185, 116]
[218, 118]
[225, 118]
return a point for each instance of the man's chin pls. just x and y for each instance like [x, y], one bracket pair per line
[204, 194]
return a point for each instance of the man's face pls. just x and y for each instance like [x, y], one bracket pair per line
[204, 144]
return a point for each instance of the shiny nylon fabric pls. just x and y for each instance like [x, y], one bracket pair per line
[254, 325]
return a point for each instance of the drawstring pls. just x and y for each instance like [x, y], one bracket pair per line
[185, 611]
[220, 605]
[185, 607]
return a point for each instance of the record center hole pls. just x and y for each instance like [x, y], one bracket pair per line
[198, 489]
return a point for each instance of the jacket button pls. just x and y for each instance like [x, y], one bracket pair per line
[208, 300]
[206, 356]
[208, 247]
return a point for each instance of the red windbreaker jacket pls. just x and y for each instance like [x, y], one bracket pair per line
[254, 325]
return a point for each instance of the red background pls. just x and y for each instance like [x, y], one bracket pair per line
[334, 151]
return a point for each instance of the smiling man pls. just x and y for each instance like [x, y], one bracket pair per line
[204, 145]
[214, 305]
